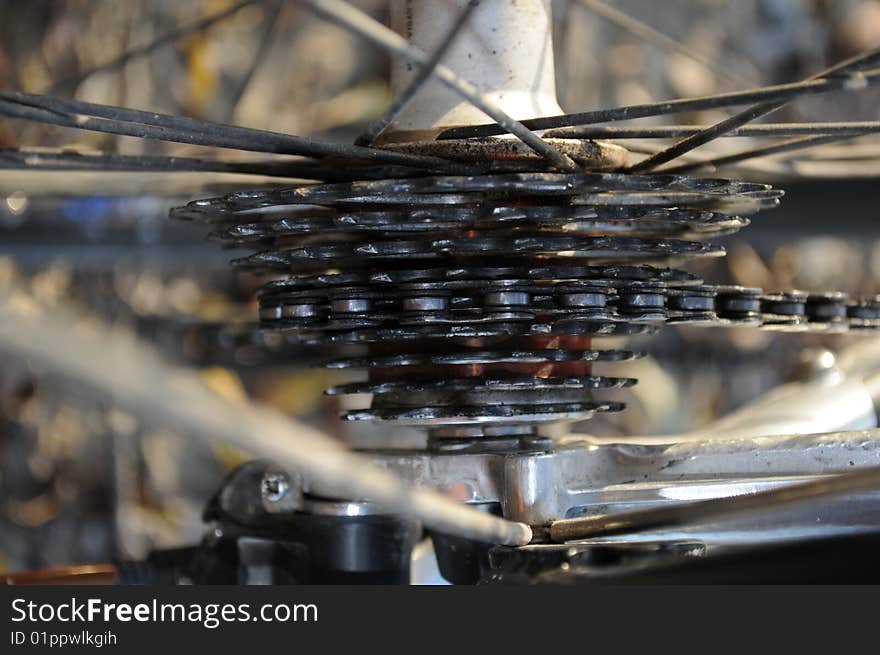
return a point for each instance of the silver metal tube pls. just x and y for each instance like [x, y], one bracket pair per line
[842, 393]
[684, 514]
[505, 50]
[830, 403]
[347, 16]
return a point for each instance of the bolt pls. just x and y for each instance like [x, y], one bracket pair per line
[813, 363]
[274, 487]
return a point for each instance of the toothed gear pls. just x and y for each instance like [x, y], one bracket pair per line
[479, 303]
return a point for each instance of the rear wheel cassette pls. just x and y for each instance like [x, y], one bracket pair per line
[479, 303]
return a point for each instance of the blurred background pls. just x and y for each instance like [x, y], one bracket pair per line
[82, 482]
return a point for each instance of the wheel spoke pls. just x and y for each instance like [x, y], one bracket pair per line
[422, 76]
[270, 22]
[845, 128]
[852, 65]
[169, 38]
[766, 94]
[149, 125]
[762, 151]
[657, 38]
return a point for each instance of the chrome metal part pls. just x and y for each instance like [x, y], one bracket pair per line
[579, 477]
[506, 51]
[274, 487]
[828, 403]
[329, 507]
[685, 515]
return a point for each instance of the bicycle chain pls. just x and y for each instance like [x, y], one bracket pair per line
[341, 313]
